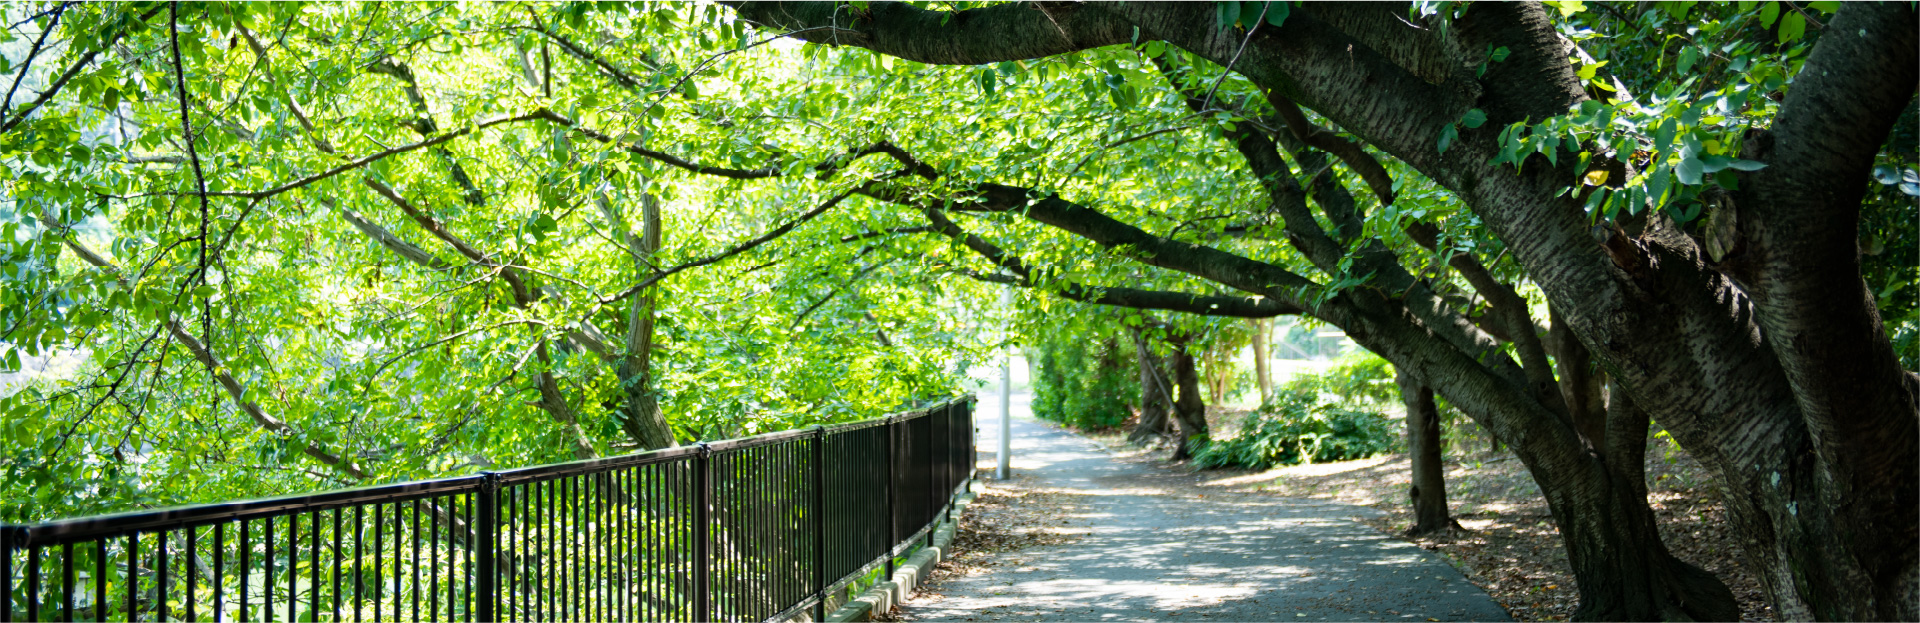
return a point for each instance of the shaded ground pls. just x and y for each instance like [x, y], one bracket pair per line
[1081, 536]
[1511, 548]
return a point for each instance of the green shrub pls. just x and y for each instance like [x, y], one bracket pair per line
[1297, 426]
[1359, 375]
[1088, 384]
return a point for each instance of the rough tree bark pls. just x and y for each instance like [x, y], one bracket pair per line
[1156, 399]
[640, 413]
[1428, 495]
[1262, 367]
[1188, 408]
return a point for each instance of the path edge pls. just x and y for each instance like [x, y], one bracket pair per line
[906, 577]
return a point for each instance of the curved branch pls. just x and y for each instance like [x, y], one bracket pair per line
[374, 157]
[1200, 304]
[991, 34]
[739, 248]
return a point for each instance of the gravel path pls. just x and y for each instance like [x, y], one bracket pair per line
[1153, 552]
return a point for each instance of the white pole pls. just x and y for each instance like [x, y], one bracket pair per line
[1006, 397]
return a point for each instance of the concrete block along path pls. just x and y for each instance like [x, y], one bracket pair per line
[1158, 553]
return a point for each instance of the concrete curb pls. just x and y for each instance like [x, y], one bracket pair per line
[885, 595]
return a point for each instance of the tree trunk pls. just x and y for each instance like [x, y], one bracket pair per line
[1625, 571]
[640, 415]
[1262, 373]
[1428, 494]
[1597, 495]
[1580, 385]
[1189, 408]
[1155, 396]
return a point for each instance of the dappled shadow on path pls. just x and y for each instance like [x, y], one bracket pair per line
[1154, 551]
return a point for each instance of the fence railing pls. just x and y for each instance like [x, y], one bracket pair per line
[748, 529]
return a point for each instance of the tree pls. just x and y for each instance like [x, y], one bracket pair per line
[1428, 494]
[1727, 329]
[292, 257]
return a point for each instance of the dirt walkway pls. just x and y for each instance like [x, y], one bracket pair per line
[1151, 551]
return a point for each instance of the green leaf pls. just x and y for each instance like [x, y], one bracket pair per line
[1589, 70]
[1663, 138]
[1227, 13]
[1500, 54]
[1768, 13]
[1713, 164]
[1658, 182]
[1473, 119]
[1277, 13]
[1567, 7]
[1688, 56]
[1689, 171]
[1792, 26]
[1447, 134]
[1746, 165]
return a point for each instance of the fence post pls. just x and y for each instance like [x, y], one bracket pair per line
[486, 598]
[7, 535]
[702, 547]
[820, 522]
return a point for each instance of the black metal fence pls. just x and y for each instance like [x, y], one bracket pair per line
[742, 530]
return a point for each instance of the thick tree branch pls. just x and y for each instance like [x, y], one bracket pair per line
[1357, 158]
[1023, 276]
[1800, 261]
[996, 33]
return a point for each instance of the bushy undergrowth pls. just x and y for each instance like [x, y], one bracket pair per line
[1083, 383]
[1300, 426]
[1359, 375]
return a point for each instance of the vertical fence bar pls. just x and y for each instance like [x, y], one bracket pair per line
[266, 585]
[486, 576]
[66, 582]
[892, 519]
[359, 538]
[246, 557]
[702, 517]
[33, 584]
[293, 568]
[8, 534]
[160, 575]
[338, 562]
[193, 559]
[313, 566]
[100, 576]
[819, 516]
